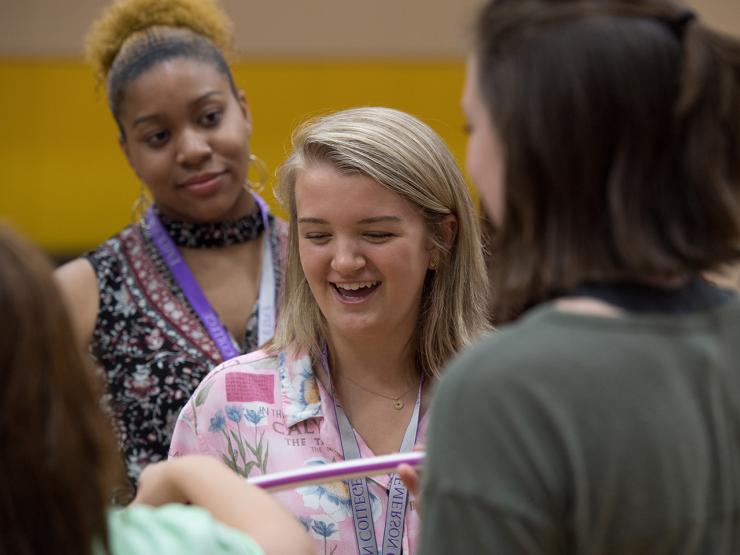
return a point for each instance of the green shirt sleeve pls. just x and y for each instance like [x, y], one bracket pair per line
[174, 529]
[492, 466]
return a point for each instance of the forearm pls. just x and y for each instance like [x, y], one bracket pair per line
[206, 482]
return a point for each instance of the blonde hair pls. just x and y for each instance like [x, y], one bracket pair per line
[406, 156]
[130, 36]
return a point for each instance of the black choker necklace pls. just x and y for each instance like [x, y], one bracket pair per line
[213, 235]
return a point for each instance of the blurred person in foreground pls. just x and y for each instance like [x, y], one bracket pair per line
[59, 461]
[605, 142]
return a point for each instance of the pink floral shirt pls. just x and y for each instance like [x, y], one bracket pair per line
[262, 413]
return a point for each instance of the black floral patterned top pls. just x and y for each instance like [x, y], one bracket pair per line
[148, 341]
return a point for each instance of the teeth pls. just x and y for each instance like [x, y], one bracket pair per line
[355, 286]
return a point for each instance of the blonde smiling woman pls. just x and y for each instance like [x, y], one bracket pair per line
[385, 282]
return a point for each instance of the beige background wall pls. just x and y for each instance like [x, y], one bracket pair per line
[295, 28]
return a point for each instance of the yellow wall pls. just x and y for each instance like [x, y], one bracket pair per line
[66, 185]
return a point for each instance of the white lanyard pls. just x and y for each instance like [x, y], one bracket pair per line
[266, 320]
[359, 493]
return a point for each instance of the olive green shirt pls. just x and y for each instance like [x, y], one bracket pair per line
[575, 434]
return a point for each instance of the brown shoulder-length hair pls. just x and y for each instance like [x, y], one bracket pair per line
[620, 122]
[57, 461]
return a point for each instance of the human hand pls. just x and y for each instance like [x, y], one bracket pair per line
[155, 487]
[411, 478]
[208, 483]
[163, 482]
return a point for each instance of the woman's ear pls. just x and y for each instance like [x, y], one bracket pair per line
[448, 230]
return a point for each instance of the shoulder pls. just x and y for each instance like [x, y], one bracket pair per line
[501, 402]
[109, 249]
[261, 367]
[260, 360]
[79, 286]
[534, 368]
[512, 351]
[171, 529]
[253, 374]
[75, 274]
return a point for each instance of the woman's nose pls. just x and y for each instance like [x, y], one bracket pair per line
[347, 258]
[193, 148]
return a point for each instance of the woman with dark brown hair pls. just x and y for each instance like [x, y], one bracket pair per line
[605, 141]
[59, 463]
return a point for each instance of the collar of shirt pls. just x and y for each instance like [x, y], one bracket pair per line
[305, 397]
[299, 389]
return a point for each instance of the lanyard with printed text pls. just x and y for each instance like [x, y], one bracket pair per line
[359, 492]
[197, 299]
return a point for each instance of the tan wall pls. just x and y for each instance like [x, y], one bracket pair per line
[295, 28]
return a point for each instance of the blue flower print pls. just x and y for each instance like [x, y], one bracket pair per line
[240, 454]
[218, 422]
[306, 521]
[233, 414]
[323, 529]
[332, 498]
[253, 416]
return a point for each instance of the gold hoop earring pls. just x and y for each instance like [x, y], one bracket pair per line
[140, 205]
[262, 174]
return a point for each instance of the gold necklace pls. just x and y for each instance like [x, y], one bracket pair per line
[398, 403]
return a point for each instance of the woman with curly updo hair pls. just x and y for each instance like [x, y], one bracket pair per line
[195, 281]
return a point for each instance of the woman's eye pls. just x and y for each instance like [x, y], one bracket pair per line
[317, 237]
[157, 139]
[378, 236]
[212, 118]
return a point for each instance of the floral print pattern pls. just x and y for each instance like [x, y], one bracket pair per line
[266, 413]
[150, 345]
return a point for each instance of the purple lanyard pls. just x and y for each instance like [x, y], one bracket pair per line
[197, 299]
[362, 512]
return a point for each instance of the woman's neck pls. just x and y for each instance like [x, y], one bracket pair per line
[388, 365]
